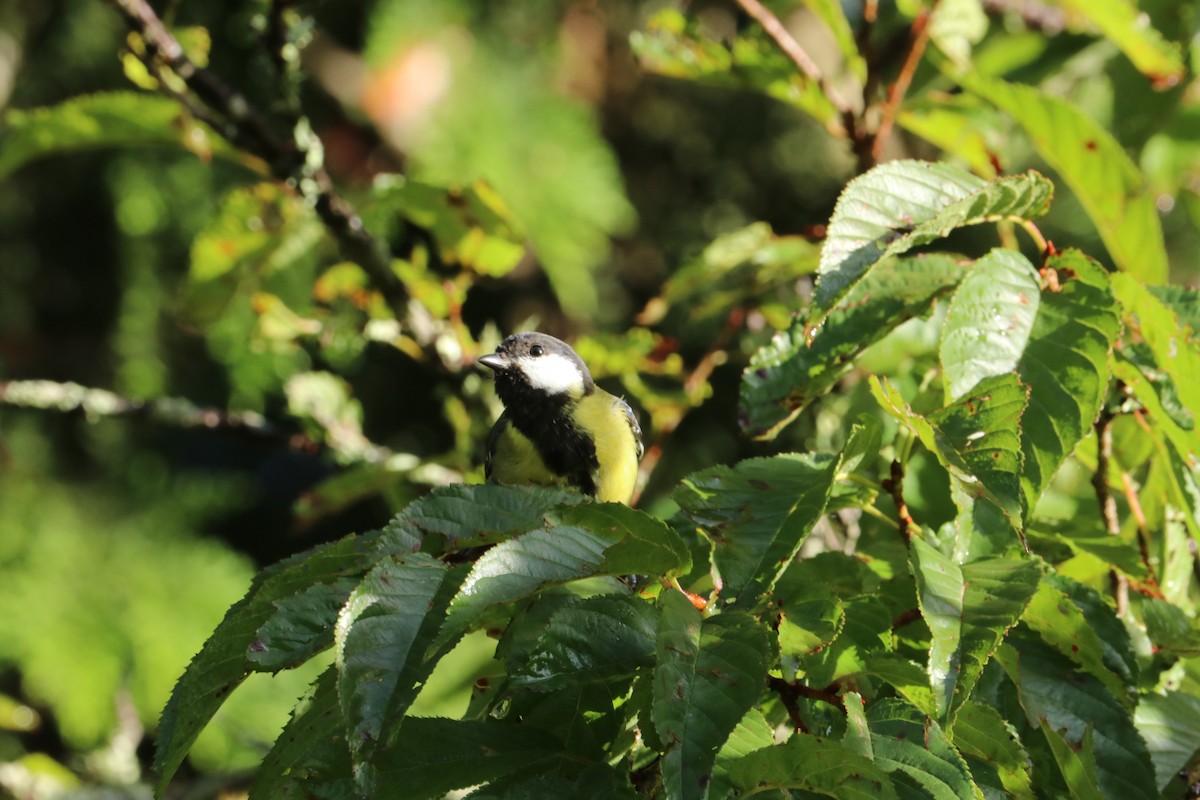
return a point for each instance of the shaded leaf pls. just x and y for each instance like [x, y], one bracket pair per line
[866, 633]
[752, 733]
[916, 753]
[709, 672]
[1170, 724]
[905, 204]
[1076, 762]
[757, 515]
[989, 742]
[301, 626]
[786, 375]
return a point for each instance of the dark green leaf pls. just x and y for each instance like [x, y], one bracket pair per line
[1052, 693]
[810, 622]
[916, 753]
[785, 376]
[431, 756]
[1170, 724]
[301, 627]
[593, 639]
[905, 204]
[752, 733]
[989, 743]
[866, 633]
[1102, 618]
[223, 663]
[709, 672]
[1065, 366]
[642, 545]
[812, 764]
[906, 677]
[1076, 762]
[757, 515]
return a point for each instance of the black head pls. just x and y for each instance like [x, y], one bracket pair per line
[530, 362]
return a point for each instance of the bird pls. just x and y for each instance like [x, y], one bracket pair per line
[558, 427]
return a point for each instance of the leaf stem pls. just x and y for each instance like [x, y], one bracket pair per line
[1035, 234]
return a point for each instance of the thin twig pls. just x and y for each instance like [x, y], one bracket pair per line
[1143, 533]
[288, 161]
[1107, 503]
[788, 695]
[920, 37]
[895, 486]
[792, 49]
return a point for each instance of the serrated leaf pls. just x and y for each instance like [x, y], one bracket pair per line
[1076, 762]
[598, 782]
[1095, 166]
[968, 610]
[866, 633]
[1118, 654]
[812, 764]
[465, 515]
[593, 639]
[301, 626]
[916, 753]
[642, 545]
[1089, 536]
[311, 746]
[709, 673]
[431, 756]
[757, 514]
[905, 204]
[1129, 28]
[106, 119]
[987, 739]
[1170, 724]
[752, 733]
[908, 678]
[1063, 626]
[382, 635]
[1052, 693]
[1183, 302]
[977, 438]
[988, 321]
[1065, 366]
[858, 730]
[222, 664]
[790, 372]
[810, 622]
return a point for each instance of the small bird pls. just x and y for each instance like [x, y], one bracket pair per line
[558, 427]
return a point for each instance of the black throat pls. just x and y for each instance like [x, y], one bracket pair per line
[546, 421]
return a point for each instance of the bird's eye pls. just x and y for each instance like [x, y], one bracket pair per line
[536, 350]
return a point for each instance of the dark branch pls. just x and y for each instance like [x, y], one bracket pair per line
[895, 487]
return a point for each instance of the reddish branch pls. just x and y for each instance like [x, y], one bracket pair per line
[895, 487]
[920, 37]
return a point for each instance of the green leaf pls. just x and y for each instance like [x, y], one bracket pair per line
[1076, 762]
[866, 633]
[709, 672]
[976, 438]
[757, 514]
[463, 515]
[223, 663]
[988, 321]
[810, 622]
[1170, 724]
[858, 730]
[833, 15]
[1102, 618]
[989, 743]
[906, 677]
[1094, 165]
[956, 26]
[301, 627]
[1091, 538]
[968, 610]
[592, 639]
[107, 119]
[432, 756]
[382, 635]
[752, 733]
[785, 376]
[598, 782]
[312, 746]
[1124, 24]
[1183, 302]
[617, 540]
[905, 204]
[916, 753]
[1065, 366]
[812, 764]
[1063, 626]
[1052, 693]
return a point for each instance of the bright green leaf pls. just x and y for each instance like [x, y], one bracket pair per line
[1076, 762]
[812, 764]
[1123, 23]
[989, 742]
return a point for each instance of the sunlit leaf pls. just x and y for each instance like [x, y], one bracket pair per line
[1076, 762]
[788, 374]
[916, 753]
[989, 742]
[1094, 165]
[812, 764]
[905, 204]
[1124, 24]
[752, 733]
[757, 514]
[708, 674]
[956, 26]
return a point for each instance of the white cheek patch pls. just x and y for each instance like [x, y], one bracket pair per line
[553, 374]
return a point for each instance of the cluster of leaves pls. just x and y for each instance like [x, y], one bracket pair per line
[948, 662]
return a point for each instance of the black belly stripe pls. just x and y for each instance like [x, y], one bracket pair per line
[566, 450]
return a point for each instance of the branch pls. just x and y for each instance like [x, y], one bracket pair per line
[288, 160]
[920, 37]
[1108, 504]
[792, 49]
[895, 486]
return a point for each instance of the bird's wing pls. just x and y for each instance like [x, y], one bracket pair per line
[493, 439]
[632, 419]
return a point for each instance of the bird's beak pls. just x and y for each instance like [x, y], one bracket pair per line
[493, 361]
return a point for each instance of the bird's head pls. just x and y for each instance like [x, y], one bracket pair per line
[534, 362]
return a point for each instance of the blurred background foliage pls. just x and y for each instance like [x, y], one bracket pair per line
[649, 180]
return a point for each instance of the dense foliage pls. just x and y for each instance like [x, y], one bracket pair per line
[921, 505]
